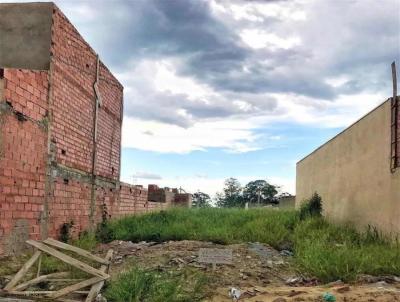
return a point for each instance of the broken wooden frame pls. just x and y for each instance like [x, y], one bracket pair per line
[48, 246]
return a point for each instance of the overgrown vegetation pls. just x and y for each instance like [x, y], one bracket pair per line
[311, 207]
[208, 224]
[137, 285]
[321, 249]
[332, 252]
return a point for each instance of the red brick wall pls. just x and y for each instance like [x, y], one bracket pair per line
[23, 148]
[46, 145]
[74, 74]
[72, 129]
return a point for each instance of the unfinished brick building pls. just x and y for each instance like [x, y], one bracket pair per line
[60, 130]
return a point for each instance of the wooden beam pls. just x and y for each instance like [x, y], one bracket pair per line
[14, 300]
[95, 290]
[39, 267]
[74, 287]
[26, 284]
[79, 251]
[24, 269]
[30, 293]
[64, 280]
[69, 260]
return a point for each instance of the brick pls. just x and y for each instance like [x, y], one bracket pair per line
[23, 165]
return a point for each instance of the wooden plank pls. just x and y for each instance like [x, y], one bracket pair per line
[96, 288]
[79, 251]
[24, 269]
[67, 259]
[39, 266]
[26, 284]
[14, 300]
[74, 287]
[64, 280]
[30, 293]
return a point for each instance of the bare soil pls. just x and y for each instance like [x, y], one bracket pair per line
[260, 272]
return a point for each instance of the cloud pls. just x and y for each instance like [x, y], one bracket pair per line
[161, 95]
[146, 175]
[189, 65]
[234, 136]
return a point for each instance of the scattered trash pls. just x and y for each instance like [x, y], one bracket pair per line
[293, 280]
[286, 253]
[328, 297]
[301, 281]
[235, 294]
[343, 289]
[335, 283]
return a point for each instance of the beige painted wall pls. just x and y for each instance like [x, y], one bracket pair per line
[352, 174]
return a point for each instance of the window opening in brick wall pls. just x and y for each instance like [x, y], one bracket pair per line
[66, 181]
[1, 73]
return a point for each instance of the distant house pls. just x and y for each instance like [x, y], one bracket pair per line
[357, 173]
[287, 201]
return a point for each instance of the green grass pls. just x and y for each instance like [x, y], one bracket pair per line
[323, 250]
[137, 285]
[210, 224]
[332, 252]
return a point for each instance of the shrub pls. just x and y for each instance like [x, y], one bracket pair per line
[311, 207]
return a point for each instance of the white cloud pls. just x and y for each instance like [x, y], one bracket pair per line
[233, 135]
[257, 38]
[145, 175]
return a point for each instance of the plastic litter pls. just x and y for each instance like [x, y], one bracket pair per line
[328, 297]
[235, 294]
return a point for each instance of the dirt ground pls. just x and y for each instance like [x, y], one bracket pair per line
[261, 273]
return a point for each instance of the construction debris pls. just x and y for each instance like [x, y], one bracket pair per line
[48, 246]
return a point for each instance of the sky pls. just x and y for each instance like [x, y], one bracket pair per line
[216, 89]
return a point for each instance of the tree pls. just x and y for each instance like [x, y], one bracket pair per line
[232, 194]
[201, 200]
[260, 191]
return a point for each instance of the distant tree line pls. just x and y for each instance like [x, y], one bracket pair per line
[257, 192]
